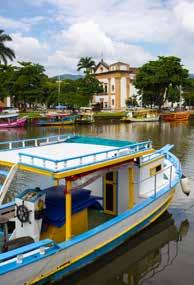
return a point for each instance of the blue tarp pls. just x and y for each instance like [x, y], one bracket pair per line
[55, 204]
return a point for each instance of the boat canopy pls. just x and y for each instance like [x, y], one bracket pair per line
[68, 155]
[8, 116]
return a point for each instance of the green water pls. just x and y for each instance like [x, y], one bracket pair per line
[164, 252]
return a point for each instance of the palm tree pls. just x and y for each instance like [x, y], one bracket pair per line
[5, 52]
[87, 64]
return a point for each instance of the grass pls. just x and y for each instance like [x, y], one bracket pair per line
[109, 114]
[31, 115]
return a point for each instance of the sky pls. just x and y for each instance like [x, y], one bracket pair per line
[56, 33]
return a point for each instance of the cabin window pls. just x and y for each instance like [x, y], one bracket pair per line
[155, 170]
[110, 176]
[109, 198]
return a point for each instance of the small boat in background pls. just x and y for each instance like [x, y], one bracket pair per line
[11, 121]
[85, 118]
[56, 119]
[175, 116]
[141, 116]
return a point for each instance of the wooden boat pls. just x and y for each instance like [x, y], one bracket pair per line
[176, 116]
[85, 118]
[141, 116]
[56, 119]
[113, 189]
[11, 121]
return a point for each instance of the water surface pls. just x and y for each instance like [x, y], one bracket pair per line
[164, 252]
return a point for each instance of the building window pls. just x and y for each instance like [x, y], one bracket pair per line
[101, 69]
[113, 88]
[113, 102]
[105, 88]
[105, 105]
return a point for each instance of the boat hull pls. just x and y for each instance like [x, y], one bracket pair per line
[56, 123]
[176, 116]
[91, 245]
[16, 124]
[139, 120]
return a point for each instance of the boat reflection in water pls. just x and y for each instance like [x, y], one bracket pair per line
[137, 260]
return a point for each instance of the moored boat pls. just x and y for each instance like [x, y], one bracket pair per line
[141, 116]
[175, 116]
[85, 118]
[11, 121]
[56, 119]
[104, 192]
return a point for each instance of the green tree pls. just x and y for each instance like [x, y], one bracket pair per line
[5, 52]
[157, 77]
[87, 64]
[188, 93]
[28, 82]
[6, 76]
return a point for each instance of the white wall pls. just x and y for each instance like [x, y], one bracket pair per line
[123, 190]
[96, 187]
[112, 82]
[98, 97]
[101, 71]
[123, 67]
[123, 91]
[133, 90]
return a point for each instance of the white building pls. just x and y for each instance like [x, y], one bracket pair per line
[117, 80]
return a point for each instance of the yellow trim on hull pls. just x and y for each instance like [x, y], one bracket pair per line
[60, 267]
[6, 163]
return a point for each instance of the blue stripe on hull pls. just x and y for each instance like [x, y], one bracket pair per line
[102, 251]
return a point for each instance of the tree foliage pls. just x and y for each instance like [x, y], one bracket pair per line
[5, 52]
[188, 93]
[156, 79]
[87, 64]
[29, 86]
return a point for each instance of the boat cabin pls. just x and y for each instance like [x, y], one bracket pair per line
[107, 179]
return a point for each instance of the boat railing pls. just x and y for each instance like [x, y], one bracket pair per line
[171, 177]
[18, 255]
[9, 145]
[83, 160]
[155, 155]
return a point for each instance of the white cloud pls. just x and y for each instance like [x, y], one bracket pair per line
[6, 23]
[118, 29]
[24, 24]
[28, 48]
[184, 12]
[87, 39]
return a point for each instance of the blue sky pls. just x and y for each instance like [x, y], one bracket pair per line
[56, 33]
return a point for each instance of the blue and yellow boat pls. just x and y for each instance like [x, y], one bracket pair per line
[104, 192]
[56, 119]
